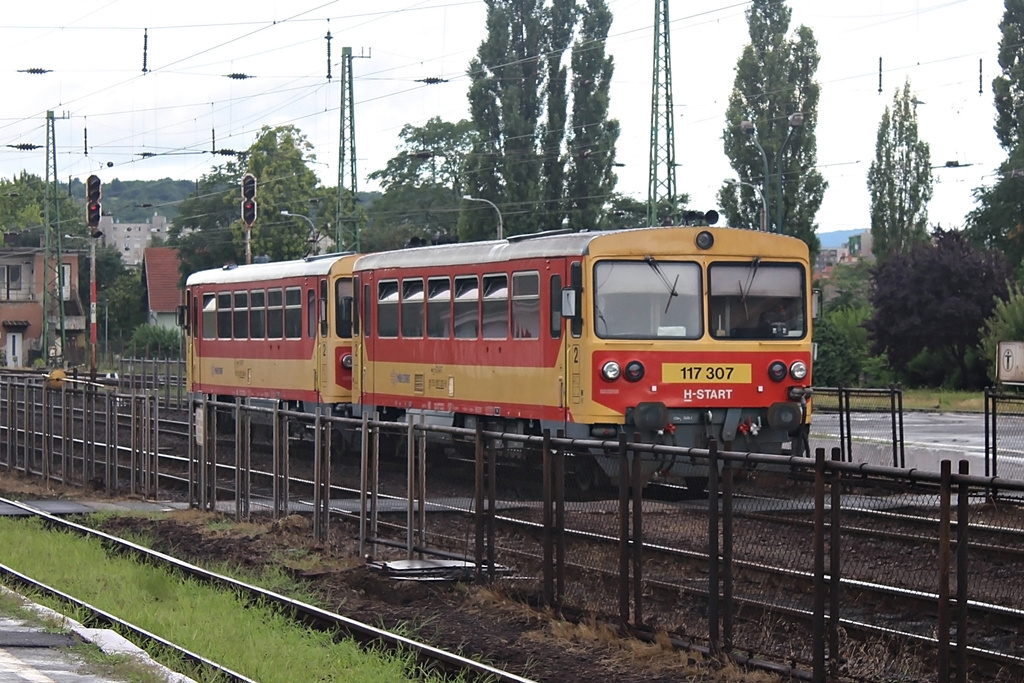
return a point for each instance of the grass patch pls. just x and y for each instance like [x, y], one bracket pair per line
[255, 640]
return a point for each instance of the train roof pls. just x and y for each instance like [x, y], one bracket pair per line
[263, 272]
[656, 240]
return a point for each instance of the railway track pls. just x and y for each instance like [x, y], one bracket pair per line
[428, 657]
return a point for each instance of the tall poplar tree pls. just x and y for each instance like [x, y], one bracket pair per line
[998, 220]
[899, 180]
[774, 81]
[524, 159]
[593, 135]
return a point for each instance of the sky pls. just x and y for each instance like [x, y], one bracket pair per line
[140, 90]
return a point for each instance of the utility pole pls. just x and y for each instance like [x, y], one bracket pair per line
[346, 207]
[53, 276]
[661, 184]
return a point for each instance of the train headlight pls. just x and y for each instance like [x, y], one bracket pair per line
[705, 240]
[777, 371]
[798, 370]
[634, 371]
[346, 361]
[611, 371]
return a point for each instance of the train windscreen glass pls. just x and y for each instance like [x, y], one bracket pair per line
[757, 300]
[648, 299]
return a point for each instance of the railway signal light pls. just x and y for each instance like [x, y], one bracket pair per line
[93, 208]
[249, 199]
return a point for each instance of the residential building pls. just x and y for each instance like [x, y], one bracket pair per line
[27, 284]
[132, 239]
[160, 283]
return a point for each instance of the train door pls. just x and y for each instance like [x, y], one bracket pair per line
[572, 315]
[320, 346]
[366, 395]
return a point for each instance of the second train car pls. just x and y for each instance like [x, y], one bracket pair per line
[273, 333]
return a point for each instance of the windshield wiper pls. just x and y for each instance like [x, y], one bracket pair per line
[670, 286]
[750, 283]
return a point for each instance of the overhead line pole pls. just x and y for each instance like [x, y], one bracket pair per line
[663, 137]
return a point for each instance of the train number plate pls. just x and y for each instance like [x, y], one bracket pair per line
[705, 373]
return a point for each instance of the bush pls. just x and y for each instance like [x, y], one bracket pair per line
[153, 341]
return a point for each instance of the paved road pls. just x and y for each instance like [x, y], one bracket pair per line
[928, 439]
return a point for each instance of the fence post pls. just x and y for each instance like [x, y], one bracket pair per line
[835, 564]
[549, 550]
[945, 492]
[727, 541]
[637, 486]
[623, 532]
[713, 635]
[818, 619]
[560, 521]
[962, 554]
[478, 497]
[364, 481]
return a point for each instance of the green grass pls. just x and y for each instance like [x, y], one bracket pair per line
[254, 640]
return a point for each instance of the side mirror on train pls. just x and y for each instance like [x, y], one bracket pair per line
[815, 304]
[571, 302]
[183, 317]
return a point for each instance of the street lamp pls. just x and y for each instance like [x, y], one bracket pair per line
[796, 120]
[501, 228]
[750, 129]
[305, 218]
[764, 204]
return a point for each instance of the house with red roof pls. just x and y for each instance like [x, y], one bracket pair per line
[161, 286]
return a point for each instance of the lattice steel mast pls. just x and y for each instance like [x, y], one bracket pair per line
[661, 184]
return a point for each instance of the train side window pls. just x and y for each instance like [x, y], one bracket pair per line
[257, 314]
[322, 308]
[439, 308]
[293, 313]
[412, 308]
[209, 316]
[555, 320]
[275, 314]
[224, 315]
[467, 307]
[387, 308]
[241, 315]
[311, 313]
[344, 316]
[526, 305]
[496, 306]
[367, 301]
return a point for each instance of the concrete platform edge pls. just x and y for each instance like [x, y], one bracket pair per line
[107, 640]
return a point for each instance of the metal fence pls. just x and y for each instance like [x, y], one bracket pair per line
[831, 566]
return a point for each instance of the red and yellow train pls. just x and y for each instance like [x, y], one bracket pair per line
[680, 334]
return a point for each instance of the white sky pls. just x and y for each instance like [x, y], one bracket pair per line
[94, 49]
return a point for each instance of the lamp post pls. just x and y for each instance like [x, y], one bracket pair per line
[305, 218]
[764, 204]
[501, 228]
[750, 129]
[796, 120]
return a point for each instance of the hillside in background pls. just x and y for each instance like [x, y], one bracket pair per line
[135, 201]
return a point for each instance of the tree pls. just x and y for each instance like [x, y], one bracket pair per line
[899, 180]
[774, 90]
[1005, 324]
[518, 106]
[423, 186]
[842, 347]
[201, 231]
[279, 159]
[936, 297]
[998, 220]
[209, 231]
[591, 145]
[22, 201]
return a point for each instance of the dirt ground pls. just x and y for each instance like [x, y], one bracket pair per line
[469, 619]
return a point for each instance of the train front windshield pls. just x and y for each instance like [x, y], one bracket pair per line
[654, 299]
